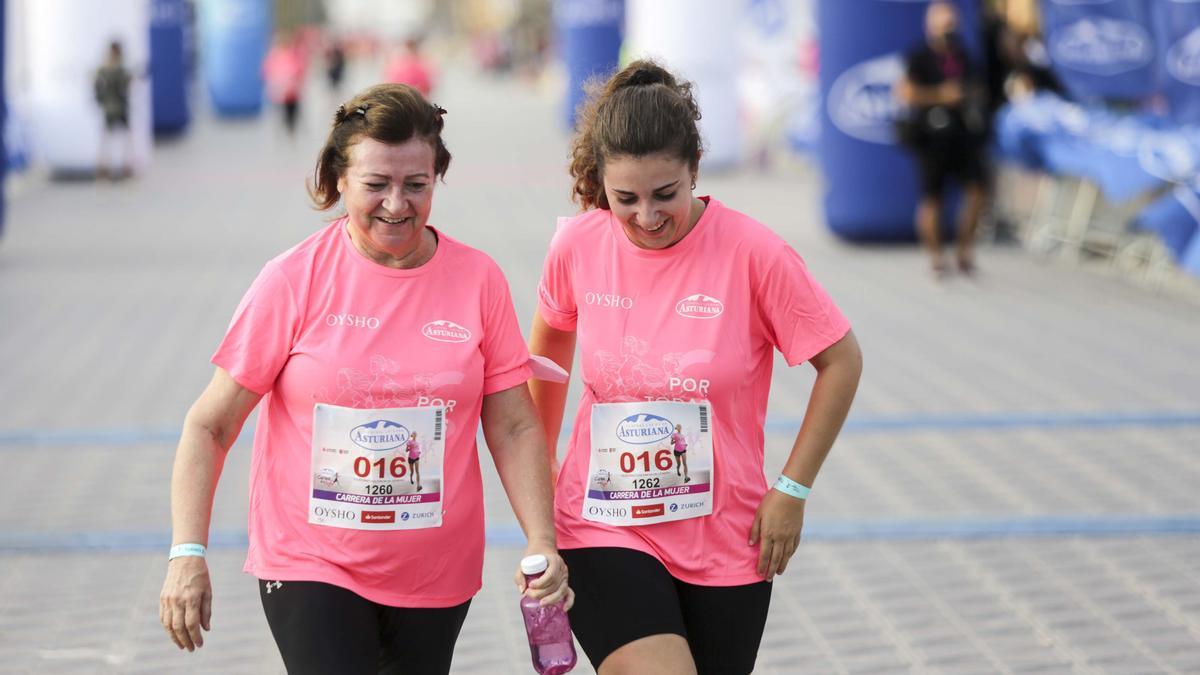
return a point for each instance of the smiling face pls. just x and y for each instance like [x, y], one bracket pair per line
[651, 197]
[388, 194]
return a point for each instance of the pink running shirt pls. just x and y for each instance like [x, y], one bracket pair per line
[324, 324]
[414, 450]
[678, 441]
[700, 319]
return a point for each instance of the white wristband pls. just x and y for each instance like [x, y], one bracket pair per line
[183, 550]
[790, 487]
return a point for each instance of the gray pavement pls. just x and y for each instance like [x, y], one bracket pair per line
[1015, 491]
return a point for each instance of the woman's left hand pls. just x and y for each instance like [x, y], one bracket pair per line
[777, 526]
[552, 586]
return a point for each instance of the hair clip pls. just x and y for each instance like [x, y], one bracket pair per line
[438, 110]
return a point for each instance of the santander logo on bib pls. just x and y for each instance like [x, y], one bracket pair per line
[699, 306]
[445, 331]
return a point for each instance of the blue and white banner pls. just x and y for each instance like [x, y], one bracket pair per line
[1101, 49]
[1178, 26]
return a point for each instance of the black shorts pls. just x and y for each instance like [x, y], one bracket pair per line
[962, 160]
[322, 628]
[622, 595]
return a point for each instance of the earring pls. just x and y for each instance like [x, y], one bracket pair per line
[693, 183]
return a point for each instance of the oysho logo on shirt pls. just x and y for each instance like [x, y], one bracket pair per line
[379, 435]
[699, 306]
[644, 428]
[352, 320]
[612, 300]
[445, 331]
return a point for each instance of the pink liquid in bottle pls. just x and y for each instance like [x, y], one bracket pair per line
[547, 626]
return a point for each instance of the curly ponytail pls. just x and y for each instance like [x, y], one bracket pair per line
[641, 110]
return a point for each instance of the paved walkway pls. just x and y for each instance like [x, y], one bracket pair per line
[1015, 491]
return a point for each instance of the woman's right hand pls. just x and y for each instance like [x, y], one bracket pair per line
[185, 604]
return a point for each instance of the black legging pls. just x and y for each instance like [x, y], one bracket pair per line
[321, 628]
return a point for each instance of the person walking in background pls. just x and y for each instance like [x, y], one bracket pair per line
[284, 70]
[946, 128]
[409, 66]
[335, 64]
[343, 338]
[111, 89]
[677, 303]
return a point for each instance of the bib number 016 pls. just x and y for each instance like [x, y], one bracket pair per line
[364, 467]
[629, 461]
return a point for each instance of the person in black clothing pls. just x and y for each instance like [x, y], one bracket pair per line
[946, 131]
[111, 88]
[335, 65]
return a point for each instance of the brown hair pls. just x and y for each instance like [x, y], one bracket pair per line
[388, 113]
[642, 110]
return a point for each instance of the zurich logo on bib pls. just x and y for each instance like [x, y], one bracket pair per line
[643, 429]
[1102, 46]
[380, 435]
[1183, 59]
[861, 103]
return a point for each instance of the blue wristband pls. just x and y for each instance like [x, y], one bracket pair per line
[183, 550]
[790, 487]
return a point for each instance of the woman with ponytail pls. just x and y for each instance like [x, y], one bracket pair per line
[677, 303]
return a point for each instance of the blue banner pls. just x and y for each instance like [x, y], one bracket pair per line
[168, 71]
[235, 35]
[1178, 26]
[589, 35]
[1101, 49]
[870, 181]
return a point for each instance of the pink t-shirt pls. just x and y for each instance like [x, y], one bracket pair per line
[677, 440]
[411, 70]
[698, 320]
[324, 324]
[283, 70]
[414, 450]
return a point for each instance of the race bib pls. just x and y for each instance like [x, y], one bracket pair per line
[651, 462]
[377, 469]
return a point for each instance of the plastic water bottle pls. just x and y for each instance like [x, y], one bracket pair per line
[547, 626]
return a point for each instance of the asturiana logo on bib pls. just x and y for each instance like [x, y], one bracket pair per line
[445, 331]
[699, 306]
[1183, 59]
[379, 435]
[1101, 46]
[644, 428]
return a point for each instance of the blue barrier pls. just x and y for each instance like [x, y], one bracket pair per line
[1101, 48]
[3, 117]
[1125, 155]
[1173, 217]
[1177, 23]
[168, 71]
[235, 35]
[589, 34]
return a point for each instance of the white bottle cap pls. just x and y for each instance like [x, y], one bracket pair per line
[534, 564]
